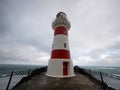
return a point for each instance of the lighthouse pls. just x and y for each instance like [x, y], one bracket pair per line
[60, 63]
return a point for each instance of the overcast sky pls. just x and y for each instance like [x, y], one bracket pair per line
[26, 34]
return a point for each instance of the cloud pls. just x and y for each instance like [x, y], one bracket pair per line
[108, 56]
[26, 32]
[23, 54]
[84, 60]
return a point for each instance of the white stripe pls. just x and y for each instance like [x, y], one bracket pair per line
[60, 41]
[55, 68]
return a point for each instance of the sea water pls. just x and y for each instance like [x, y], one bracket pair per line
[6, 69]
[104, 69]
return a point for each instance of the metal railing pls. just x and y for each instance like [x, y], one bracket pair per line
[103, 77]
[12, 78]
[21, 76]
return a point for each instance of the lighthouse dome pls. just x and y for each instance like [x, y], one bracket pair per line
[61, 20]
[61, 14]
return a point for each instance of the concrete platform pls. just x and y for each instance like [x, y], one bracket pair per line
[43, 82]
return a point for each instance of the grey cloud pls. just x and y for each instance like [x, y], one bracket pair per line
[115, 45]
[108, 56]
[23, 26]
[27, 23]
[21, 54]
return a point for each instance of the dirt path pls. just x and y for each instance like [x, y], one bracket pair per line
[42, 82]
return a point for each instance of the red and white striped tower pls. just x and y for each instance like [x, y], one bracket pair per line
[60, 64]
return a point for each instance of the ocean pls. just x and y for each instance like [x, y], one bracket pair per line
[109, 70]
[22, 70]
[6, 69]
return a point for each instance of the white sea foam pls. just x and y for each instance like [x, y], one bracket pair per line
[116, 75]
[111, 82]
[14, 81]
[5, 75]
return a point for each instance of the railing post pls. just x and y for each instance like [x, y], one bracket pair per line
[9, 80]
[102, 81]
[29, 73]
[90, 74]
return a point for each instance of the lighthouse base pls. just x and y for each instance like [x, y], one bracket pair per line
[60, 68]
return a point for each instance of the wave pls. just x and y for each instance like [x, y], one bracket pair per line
[116, 76]
[4, 75]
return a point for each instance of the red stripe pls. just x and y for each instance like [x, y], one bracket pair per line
[61, 54]
[61, 30]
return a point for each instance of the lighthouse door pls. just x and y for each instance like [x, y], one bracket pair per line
[65, 68]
